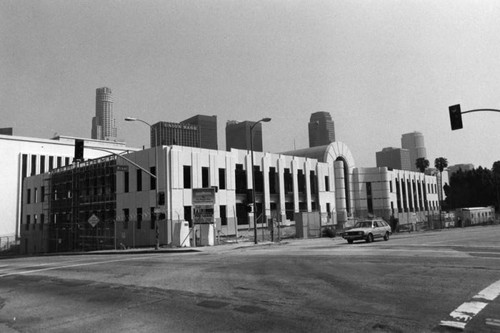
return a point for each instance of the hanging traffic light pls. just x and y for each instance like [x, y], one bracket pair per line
[79, 145]
[455, 117]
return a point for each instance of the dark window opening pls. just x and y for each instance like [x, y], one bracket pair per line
[187, 176]
[259, 179]
[126, 176]
[327, 184]
[301, 181]
[240, 179]
[273, 180]
[222, 179]
[288, 180]
[187, 215]
[205, 179]
[126, 218]
[152, 180]
[33, 165]
[241, 214]
[139, 180]
[313, 182]
[223, 215]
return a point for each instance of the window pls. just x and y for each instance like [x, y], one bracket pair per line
[139, 179]
[35, 195]
[222, 179]
[204, 177]
[312, 182]
[223, 217]
[288, 181]
[28, 196]
[66, 161]
[51, 163]
[42, 194]
[301, 181]
[187, 176]
[59, 162]
[187, 215]
[28, 220]
[42, 164]
[126, 175]
[152, 181]
[33, 165]
[42, 221]
[273, 180]
[240, 179]
[139, 218]
[327, 184]
[24, 167]
[390, 186]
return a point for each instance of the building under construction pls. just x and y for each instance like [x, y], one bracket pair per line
[78, 202]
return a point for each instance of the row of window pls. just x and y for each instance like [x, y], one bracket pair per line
[41, 167]
[35, 196]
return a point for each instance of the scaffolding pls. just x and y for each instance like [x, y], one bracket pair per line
[82, 205]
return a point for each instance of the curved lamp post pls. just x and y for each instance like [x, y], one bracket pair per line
[157, 238]
[263, 120]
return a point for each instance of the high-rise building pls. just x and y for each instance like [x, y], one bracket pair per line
[207, 126]
[103, 124]
[321, 129]
[394, 158]
[167, 134]
[238, 135]
[414, 142]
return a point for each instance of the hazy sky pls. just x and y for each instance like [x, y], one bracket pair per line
[381, 68]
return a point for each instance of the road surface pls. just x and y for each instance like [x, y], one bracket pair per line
[415, 282]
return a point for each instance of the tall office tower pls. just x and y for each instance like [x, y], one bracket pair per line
[207, 125]
[167, 134]
[238, 135]
[321, 129]
[414, 142]
[394, 158]
[103, 124]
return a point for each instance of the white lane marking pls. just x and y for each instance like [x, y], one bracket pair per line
[466, 311]
[462, 315]
[493, 322]
[490, 293]
[74, 265]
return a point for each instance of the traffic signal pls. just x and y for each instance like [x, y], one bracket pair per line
[455, 117]
[79, 144]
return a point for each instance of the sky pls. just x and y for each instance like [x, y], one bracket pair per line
[382, 68]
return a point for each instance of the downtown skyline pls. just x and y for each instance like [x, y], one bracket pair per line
[380, 69]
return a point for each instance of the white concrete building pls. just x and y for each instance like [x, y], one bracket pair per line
[321, 180]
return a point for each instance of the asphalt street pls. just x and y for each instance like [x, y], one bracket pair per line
[415, 282]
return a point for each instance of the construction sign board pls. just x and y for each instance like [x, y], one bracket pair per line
[203, 197]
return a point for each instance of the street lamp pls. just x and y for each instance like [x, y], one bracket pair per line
[157, 238]
[263, 120]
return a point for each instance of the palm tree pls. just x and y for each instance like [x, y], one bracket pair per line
[440, 163]
[422, 164]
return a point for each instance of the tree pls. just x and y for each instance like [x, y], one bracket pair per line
[440, 163]
[422, 164]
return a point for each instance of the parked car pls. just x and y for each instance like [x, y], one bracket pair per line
[368, 230]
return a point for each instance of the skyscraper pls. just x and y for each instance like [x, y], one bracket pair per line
[238, 135]
[414, 142]
[394, 158]
[103, 124]
[165, 133]
[207, 125]
[321, 129]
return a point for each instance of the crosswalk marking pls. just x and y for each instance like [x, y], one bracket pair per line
[462, 315]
